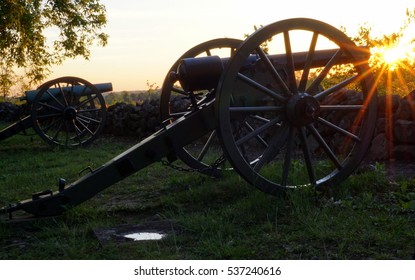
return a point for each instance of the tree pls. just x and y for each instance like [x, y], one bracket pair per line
[264, 45]
[396, 76]
[35, 34]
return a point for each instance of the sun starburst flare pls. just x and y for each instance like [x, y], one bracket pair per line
[395, 55]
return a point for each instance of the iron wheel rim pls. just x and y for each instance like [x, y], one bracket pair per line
[287, 132]
[195, 160]
[67, 119]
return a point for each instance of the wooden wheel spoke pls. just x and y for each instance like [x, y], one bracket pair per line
[88, 119]
[50, 106]
[71, 94]
[90, 100]
[55, 137]
[207, 145]
[274, 146]
[63, 95]
[257, 131]
[261, 88]
[277, 77]
[316, 83]
[339, 129]
[258, 137]
[342, 107]
[84, 126]
[287, 157]
[292, 83]
[320, 96]
[259, 118]
[307, 156]
[78, 132]
[256, 109]
[308, 64]
[49, 116]
[56, 99]
[46, 129]
[329, 152]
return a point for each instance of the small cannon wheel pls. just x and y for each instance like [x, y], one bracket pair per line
[200, 155]
[301, 123]
[68, 111]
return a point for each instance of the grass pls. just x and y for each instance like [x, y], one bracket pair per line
[368, 217]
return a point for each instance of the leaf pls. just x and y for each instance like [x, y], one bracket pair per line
[409, 205]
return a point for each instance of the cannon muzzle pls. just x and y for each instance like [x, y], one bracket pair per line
[77, 89]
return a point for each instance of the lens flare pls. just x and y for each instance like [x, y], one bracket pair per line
[393, 56]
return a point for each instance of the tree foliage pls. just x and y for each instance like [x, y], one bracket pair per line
[35, 34]
[399, 77]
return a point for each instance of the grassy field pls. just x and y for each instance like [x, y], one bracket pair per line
[370, 216]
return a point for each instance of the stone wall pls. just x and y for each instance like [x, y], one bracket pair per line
[139, 120]
[395, 129]
[10, 112]
[394, 137]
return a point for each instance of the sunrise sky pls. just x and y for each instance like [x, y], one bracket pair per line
[147, 36]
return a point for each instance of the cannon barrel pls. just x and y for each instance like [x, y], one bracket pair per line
[203, 73]
[77, 89]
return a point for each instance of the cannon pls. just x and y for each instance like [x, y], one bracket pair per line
[66, 111]
[271, 107]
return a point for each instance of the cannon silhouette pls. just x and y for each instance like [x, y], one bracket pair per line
[66, 111]
[275, 103]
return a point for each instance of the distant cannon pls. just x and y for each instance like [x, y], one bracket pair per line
[277, 110]
[67, 111]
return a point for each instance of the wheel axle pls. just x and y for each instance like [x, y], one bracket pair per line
[302, 109]
[69, 113]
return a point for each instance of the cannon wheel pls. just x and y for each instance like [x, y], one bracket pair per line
[313, 134]
[68, 111]
[196, 155]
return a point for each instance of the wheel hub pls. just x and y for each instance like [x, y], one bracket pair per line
[302, 109]
[69, 113]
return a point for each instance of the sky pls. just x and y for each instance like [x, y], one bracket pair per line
[147, 36]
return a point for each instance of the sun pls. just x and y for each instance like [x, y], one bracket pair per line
[393, 56]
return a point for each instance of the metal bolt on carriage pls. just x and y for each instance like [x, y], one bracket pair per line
[275, 104]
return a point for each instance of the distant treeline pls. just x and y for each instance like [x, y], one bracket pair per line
[131, 97]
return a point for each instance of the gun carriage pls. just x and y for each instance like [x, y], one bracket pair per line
[275, 103]
[66, 111]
